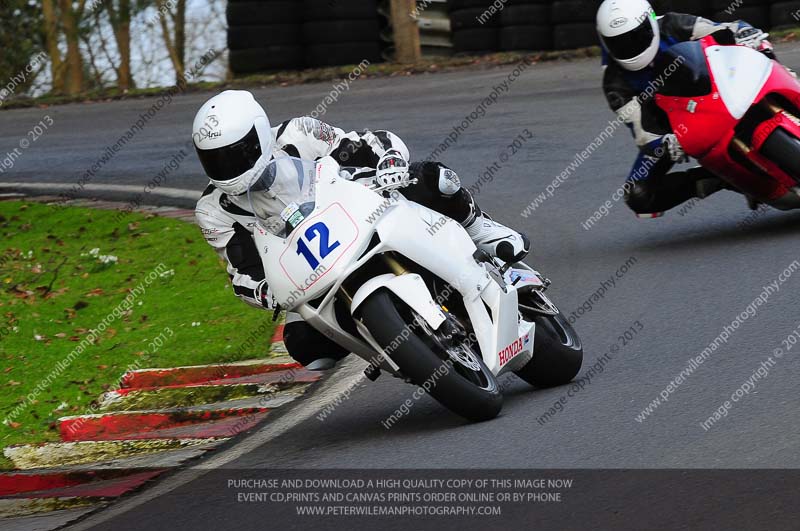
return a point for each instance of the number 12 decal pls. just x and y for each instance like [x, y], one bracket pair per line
[325, 248]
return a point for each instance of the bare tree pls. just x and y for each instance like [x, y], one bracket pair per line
[174, 37]
[63, 17]
[95, 70]
[70, 21]
[119, 16]
[51, 38]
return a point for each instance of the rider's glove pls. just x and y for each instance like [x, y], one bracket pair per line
[750, 37]
[676, 152]
[264, 296]
[392, 169]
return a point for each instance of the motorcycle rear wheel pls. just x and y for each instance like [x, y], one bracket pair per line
[557, 353]
[474, 395]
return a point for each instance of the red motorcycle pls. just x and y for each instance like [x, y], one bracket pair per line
[736, 111]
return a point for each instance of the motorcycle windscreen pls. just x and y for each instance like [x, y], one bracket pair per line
[684, 71]
[283, 194]
[740, 73]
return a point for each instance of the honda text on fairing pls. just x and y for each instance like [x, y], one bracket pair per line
[736, 111]
[363, 265]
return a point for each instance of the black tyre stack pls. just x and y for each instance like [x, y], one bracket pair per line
[338, 32]
[268, 35]
[693, 7]
[756, 12]
[525, 25]
[470, 33]
[519, 25]
[784, 14]
[574, 23]
[264, 35]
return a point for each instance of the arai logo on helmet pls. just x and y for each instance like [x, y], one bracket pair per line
[618, 22]
[209, 129]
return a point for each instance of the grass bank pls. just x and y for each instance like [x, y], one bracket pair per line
[86, 294]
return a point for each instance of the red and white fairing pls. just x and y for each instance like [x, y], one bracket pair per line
[706, 125]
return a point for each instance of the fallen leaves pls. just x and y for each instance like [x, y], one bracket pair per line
[56, 293]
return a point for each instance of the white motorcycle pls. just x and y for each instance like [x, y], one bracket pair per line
[406, 289]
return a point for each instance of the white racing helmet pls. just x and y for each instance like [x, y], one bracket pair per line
[233, 139]
[629, 32]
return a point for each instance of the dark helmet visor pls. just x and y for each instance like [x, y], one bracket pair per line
[630, 44]
[228, 162]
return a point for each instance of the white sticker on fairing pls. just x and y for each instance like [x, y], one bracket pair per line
[317, 245]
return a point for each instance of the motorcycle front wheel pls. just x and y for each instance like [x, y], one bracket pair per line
[784, 150]
[454, 374]
[557, 353]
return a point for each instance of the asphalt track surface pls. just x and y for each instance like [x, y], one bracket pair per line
[691, 276]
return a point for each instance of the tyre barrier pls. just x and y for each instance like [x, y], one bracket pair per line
[268, 35]
[567, 24]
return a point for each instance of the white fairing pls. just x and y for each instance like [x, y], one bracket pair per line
[740, 73]
[411, 288]
[334, 239]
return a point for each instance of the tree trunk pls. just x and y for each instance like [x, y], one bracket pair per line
[124, 44]
[121, 24]
[406, 31]
[180, 40]
[51, 45]
[74, 80]
[175, 46]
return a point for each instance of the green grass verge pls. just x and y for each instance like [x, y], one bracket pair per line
[785, 34]
[54, 289]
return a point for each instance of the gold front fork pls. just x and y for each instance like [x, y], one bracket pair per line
[394, 265]
[745, 150]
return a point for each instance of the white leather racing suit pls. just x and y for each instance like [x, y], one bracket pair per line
[227, 224]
